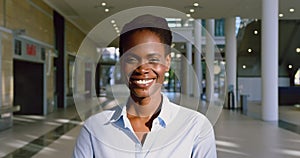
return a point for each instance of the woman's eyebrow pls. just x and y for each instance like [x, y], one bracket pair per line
[154, 54]
[131, 55]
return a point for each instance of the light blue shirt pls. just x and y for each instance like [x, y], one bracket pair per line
[177, 132]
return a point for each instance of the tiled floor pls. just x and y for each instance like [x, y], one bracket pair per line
[241, 136]
[32, 133]
[237, 135]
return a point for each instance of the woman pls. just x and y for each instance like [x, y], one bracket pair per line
[149, 125]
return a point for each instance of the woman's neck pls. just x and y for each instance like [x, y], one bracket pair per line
[144, 107]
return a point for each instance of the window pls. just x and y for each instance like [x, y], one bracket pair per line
[43, 54]
[297, 78]
[18, 47]
[219, 27]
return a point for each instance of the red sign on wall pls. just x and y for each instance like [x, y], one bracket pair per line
[31, 49]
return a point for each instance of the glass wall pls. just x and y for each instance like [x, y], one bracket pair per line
[219, 27]
[297, 78]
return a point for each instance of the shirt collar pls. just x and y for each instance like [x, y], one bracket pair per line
[168, 111]
[167, 114]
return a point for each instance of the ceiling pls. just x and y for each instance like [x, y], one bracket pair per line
[90, 17]
[86, 14]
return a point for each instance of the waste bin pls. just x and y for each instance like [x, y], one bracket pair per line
[230, 98]
[244, 102]
[231, 103]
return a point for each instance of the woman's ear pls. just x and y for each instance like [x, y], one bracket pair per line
[168, 62]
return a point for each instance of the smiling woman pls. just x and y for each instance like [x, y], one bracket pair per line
[148, 125]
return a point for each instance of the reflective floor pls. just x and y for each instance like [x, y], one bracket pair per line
[237, 135]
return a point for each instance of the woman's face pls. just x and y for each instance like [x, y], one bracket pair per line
[144, 64]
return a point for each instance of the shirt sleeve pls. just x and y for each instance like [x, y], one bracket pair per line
[204, 145]
[83, 147]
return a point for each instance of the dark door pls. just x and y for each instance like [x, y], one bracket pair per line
[28, 87]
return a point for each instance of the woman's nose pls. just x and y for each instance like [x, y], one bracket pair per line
[143, 68]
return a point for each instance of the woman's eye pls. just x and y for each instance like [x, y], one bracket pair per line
[154, 60]
[131, 60]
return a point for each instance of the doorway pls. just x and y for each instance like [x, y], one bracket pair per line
[28, 87]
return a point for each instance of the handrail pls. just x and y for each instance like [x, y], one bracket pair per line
[9, 109]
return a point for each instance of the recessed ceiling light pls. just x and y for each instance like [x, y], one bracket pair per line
[255, 32]
[280, 15]
[106, 10]
[112, 21]
[292, 10]
[172, 54]
[117, 31]
[178, 55]
[191, 19]
[114, 25]
[249, 50]
[298, 50]
[255, 20]
[290, 66]
[244, 66]
[103, 4]
[196, 4]
[192, 10]
[188, 15]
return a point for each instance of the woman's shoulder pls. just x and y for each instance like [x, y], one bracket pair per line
[192, 115]
[103, 117]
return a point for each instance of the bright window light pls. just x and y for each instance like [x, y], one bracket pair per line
[167, 74]
[297, 78]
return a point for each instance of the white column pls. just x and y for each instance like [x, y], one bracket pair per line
[185, 72]
[184, 75]
[269, 57]
[197, 57]
[209, 58]
[1, 90]
[189, 52]
[231, 55]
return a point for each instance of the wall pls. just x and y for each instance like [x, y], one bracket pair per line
[7, 69]
[74, 38]
[252, 86]
[33, 16]
[36, 19]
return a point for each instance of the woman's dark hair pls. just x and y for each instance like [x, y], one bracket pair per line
[157, 25]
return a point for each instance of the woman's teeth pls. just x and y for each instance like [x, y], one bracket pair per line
[143, 81]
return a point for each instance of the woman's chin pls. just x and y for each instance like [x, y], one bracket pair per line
[144, 93]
